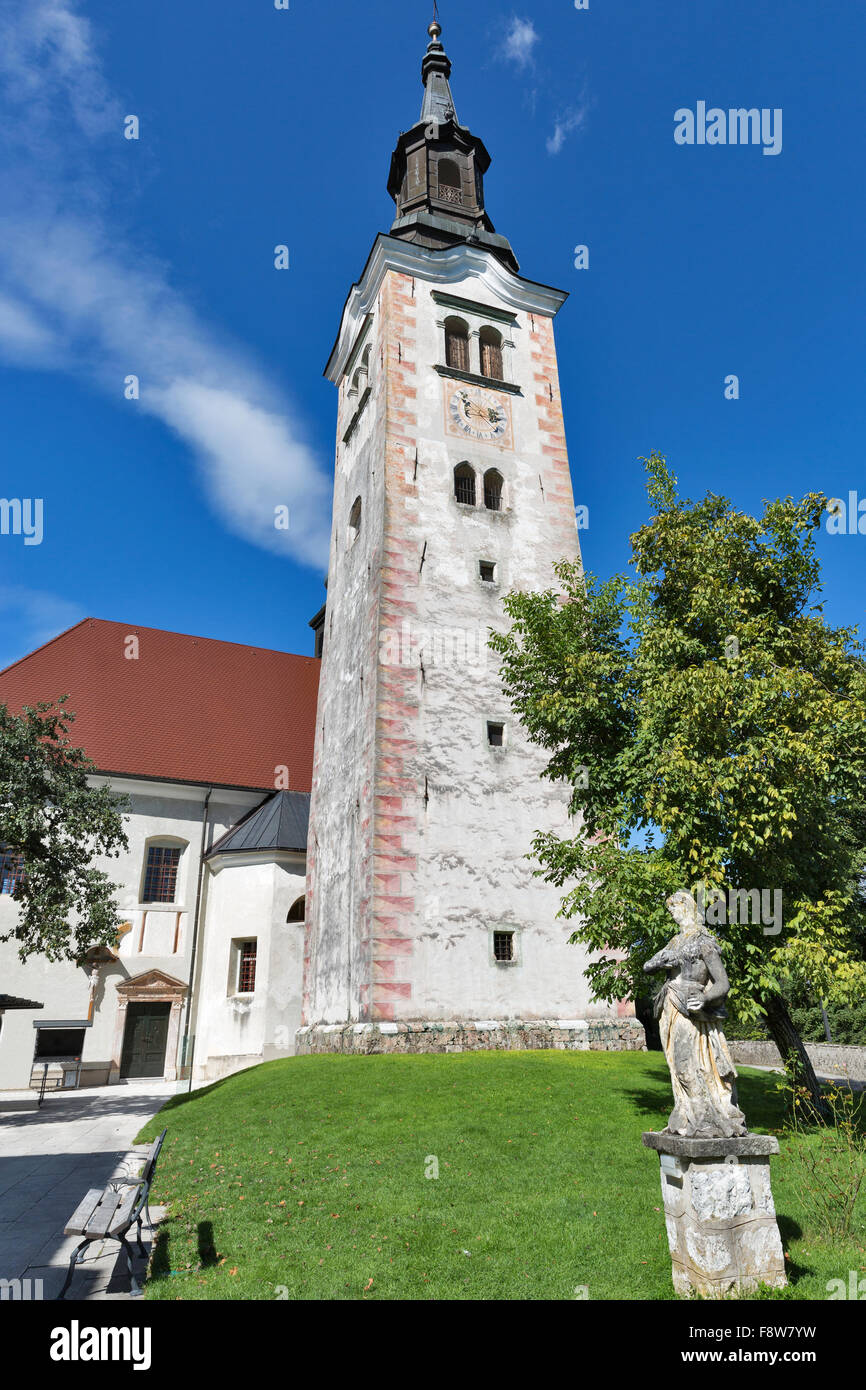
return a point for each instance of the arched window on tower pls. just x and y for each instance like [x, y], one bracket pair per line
[493, 490]
[457, 344]
[450, 182]
[298, 910]
[491, 354]
[464, 484]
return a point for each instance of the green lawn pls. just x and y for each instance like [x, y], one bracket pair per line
[306, 1178]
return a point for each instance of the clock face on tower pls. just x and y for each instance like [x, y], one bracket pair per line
[474, 413]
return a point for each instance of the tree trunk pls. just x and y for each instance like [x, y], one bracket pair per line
[794, 1056]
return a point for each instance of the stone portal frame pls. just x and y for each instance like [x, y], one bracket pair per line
[153, 987]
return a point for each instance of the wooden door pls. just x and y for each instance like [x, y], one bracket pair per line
[144, 1040]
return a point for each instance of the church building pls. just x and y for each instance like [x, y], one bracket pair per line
[331, 853]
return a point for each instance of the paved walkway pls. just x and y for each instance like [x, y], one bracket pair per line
[48, 1160]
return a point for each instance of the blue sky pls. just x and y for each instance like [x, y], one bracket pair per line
[261, 127]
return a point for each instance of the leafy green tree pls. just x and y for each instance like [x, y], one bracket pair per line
[58, 824]
[713, 729]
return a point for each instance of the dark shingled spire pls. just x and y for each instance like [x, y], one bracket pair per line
[437, 171]
[438, 103]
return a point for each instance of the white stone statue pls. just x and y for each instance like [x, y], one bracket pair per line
[690, 1009]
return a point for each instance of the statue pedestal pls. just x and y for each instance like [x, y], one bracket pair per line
[719, 1213]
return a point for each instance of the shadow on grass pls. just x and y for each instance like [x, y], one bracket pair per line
[657, 1102]
[160, 1262]
[789, 1230]
[184, 1098]
[207, 1251]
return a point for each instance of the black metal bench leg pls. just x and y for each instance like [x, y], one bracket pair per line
[141, 1249]
[71, 1270]
[147, 1212]
[134, 1287]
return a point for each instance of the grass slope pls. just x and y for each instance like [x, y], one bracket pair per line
[306, 1178]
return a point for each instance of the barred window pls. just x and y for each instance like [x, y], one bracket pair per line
[247, 967]
[487, 571]
[491, 354]
[160, 876]
[495, 734]
[503, 945]
[11, 870]
[493, 490]
[457, 344]
[464, 484]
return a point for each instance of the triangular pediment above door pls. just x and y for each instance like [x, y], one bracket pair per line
[152, 984]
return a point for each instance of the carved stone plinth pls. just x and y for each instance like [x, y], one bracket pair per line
[719, 1213]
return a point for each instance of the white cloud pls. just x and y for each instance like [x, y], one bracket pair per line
[565, 125]
[76, 296]
[519, 42]
[36, 617]
[23, 337]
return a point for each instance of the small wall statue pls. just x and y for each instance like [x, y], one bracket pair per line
[690, 1009]
[715, 1176]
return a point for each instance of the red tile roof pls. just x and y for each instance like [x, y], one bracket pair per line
[189, 709]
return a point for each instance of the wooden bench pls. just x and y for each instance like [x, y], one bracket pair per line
[110, 1213]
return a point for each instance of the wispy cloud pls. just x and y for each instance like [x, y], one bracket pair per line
[570, 121]
[76, 296]
[32, 617]
[519, 42]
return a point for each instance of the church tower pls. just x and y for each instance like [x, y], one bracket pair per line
[426, 929]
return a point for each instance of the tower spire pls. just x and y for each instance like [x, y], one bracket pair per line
[437, 170]
[438, 103]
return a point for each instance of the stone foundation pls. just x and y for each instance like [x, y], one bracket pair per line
[505, 1035]
[719, 1213]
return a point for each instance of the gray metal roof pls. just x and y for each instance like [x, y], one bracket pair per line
[278, 823]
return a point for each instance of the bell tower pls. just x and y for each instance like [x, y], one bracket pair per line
[426, 928]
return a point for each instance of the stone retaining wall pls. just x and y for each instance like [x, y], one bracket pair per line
[828, 1059]
[517, 1034]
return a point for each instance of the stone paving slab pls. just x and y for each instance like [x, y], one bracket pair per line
[48, 1160]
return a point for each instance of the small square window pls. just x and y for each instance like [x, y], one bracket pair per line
[503, 945]
[495, 734]
[487, 571]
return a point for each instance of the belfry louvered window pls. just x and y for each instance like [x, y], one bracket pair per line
[450, 183]
[457, 345]
[491, 354]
